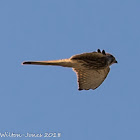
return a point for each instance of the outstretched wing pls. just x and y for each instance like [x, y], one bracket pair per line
[93, 60]
[91, 79]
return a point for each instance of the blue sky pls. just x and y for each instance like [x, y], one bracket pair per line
[40, 99]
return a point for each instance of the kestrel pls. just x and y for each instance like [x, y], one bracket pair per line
[91, 68]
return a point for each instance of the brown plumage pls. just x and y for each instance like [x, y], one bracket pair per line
[91, 68]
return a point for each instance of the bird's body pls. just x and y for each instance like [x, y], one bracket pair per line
[91, 68]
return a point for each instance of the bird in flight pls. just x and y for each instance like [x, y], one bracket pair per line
[91, 68]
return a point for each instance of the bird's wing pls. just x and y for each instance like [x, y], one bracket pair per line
[91, 79]
[93, 60]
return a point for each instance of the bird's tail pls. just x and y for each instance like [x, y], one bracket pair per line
[62, 62]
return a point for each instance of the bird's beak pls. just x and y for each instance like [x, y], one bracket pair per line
[116, 61]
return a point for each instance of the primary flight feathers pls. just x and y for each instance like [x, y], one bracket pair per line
[91, 68]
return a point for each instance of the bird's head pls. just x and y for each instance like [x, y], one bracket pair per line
[111, 59]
